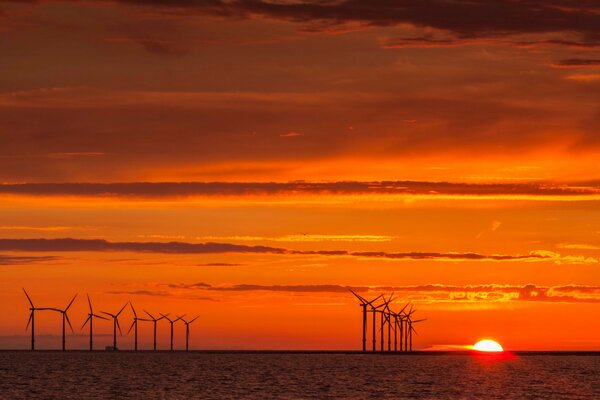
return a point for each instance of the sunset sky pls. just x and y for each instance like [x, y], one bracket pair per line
[249, 160]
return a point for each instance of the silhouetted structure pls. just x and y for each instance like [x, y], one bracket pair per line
[116, 325]
[399, 324]
[154, 321]
[187, 331]
[364, 303]
[135, 325]
[171, 321]
[90, 320]
[65, 319]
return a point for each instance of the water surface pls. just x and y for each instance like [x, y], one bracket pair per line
[163, 375]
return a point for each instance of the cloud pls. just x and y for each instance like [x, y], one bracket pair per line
[69, 244]
[220, 264]
[290, 134]
[17, 260]
[584, 77]
[100, 245]
[451, 256]
[190, 189]
[465, 18]
[578, 63]
[427, 293]
[577, 246]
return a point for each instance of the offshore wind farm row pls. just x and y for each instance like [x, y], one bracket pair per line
[115, 321]
[397, 327]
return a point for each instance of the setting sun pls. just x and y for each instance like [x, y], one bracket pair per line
[488, 345]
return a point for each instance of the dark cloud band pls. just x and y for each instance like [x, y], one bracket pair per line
[190, 189]
[99, 245]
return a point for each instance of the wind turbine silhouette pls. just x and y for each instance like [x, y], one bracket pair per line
[116, 325]
[187, 330]
[384, 314]
[65, 318]
[364, 303]
[374, 310]
[411, 329]
[407, 329]
[135, 325]
[154, 321]
[90, 319]
[171, 321]
[398, 320]
[31, 320]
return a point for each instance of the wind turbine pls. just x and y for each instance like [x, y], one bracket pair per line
[116, 325]
[187, 330]
[135, 325]
[31, 320]
[154, 321]
[171, 321]
[375, 311]
[65, 319]
[384, 316]
[398, 324]
[406, 320]
[364, 303]
[411, 329]
[90, 319]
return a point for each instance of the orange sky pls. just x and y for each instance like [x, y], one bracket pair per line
[247, 161]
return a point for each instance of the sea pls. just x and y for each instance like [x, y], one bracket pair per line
[297, 375]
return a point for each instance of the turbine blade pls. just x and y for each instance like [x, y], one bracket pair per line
[90, 304]
[193, 319]
[99, 316]
[131, 327]
[374, 300]
[165, 317]
[133, 309]
[419, 320]
[121, 310]
[71, 302]
[68, 321]
[29, 321]
[28, 298]
[150, 315]
[118, 326]
[391, 297]
[109, 314]
[86, 321]
[403, 308]
[359, 297]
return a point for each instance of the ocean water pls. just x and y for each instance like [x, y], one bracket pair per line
[200, 375]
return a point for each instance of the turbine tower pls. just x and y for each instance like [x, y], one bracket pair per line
[171, 321]
[364, 303]
[90, 319]
[187, 330]
[116, 325]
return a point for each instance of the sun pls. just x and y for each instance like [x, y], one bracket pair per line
[488, 345]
